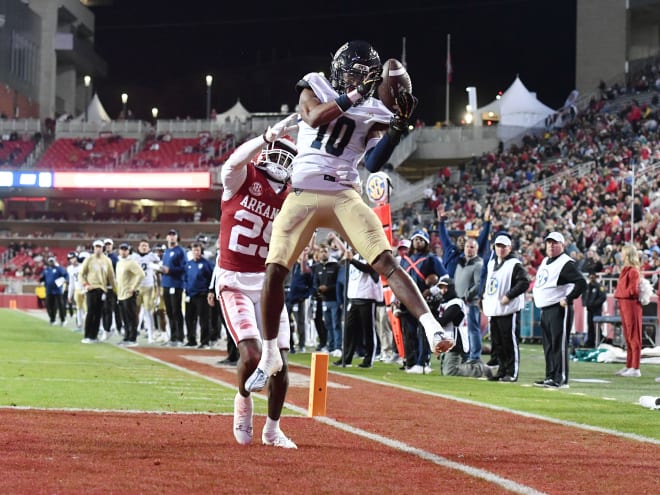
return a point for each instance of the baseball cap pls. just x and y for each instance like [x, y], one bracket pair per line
[503, 239]
[445, 280]
[51, 259]
[108, 241]
[98, 242]
[422, 234]
[72, 254]
[555, 236]
[124, 245]
[172, 232]
[404, 243]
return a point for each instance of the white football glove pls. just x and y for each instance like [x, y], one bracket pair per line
[282, 128]
[435, 290]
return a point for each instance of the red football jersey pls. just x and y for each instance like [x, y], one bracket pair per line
[246, 223]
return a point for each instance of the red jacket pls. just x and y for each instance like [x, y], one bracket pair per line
[627, 286]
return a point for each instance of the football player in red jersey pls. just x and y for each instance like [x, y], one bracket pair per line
[254, 190]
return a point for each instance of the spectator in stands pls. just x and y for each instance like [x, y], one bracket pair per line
[627, 295]
[129, 277]
[97, 277]
[54, 278]
[173, 268]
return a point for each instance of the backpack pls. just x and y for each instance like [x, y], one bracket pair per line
[645, 291]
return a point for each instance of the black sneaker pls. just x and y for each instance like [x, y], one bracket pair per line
[551, 384]
[340, 363]
[364, 365]
[190, 344]
[541, 383]
[494, 378]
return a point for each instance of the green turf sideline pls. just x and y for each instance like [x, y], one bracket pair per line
[47, 366]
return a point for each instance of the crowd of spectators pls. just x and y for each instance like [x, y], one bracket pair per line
[576, 179]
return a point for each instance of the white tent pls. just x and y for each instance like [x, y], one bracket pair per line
[517, 110]
[237, 112]
[95, 112]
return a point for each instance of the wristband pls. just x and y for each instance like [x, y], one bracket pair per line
[343, 102]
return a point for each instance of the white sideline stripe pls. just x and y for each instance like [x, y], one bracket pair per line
[582, 426]
[389, 442]
[436, 459]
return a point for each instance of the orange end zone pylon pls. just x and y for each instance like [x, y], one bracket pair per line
[318, 384]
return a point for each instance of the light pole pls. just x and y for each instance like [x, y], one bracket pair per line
[209, 81]
[124, 100]
[88, 81]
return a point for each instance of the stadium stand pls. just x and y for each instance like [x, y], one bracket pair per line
[15, 152]
[87, 153]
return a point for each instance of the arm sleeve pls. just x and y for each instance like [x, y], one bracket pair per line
[519, 282]
[482, 240]
[452, 314]
[570, 275]
[234, 172]
[377, 156]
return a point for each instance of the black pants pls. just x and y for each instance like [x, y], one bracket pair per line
[174, 313]
[319, 323]
[197, 309]
[129, 316]
[296, 312]
[360, 331]
[215, 316]
[591, 326]
[95, 300]
[503, 334]
[55, 304]
[556, 324]
[111, 307]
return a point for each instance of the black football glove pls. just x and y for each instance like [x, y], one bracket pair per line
[369, 83]
[405, 106]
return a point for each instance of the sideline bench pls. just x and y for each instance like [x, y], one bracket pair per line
[615, 321]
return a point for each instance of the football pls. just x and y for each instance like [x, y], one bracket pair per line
[396, 80]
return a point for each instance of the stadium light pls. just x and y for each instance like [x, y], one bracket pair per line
[154, 113]
[88, 81]
[124, 100]
[209, 81]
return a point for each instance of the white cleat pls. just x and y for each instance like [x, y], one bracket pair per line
[278, 439]
[243, 419]
[268, 366]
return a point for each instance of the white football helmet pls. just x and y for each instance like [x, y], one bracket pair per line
[275, 160]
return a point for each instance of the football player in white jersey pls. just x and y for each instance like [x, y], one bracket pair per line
[254, 188]
[149, 289]
[342, 124]
[75, 289]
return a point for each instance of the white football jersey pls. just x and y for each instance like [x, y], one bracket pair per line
[146, 262]
[328, 155]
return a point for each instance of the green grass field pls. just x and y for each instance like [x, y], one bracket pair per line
[47, 367]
